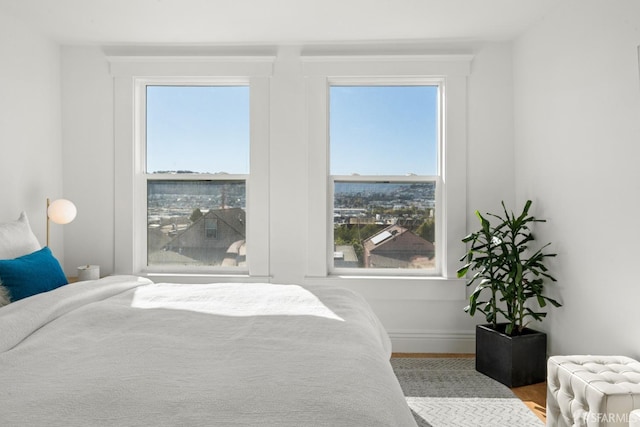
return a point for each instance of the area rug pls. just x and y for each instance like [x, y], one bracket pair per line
[451, 393]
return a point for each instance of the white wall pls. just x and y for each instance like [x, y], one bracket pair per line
[490, 165]
[577, 127]
[31, 162]
[87, 129]
[415, 324]
[574, 88]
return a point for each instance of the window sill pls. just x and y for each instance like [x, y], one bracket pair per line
[204, 277]
[431, 288]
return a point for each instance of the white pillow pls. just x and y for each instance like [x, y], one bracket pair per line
[5, 298]
[17, 239]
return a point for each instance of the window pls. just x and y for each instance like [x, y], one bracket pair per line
[384, 144]
[437, 181]
[211, 228]
[197, 166]
[288, 206]
[221, 97]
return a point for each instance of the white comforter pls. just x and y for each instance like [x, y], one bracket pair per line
[121, 351]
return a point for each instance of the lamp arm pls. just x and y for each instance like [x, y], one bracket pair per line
[47, 211]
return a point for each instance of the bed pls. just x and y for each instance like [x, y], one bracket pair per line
[123, 351]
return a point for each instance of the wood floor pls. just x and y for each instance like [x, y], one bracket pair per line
[534, 396]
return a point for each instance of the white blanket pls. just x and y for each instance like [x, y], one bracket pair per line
[121, 351]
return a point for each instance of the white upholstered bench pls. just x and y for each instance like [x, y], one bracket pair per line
[592, 390]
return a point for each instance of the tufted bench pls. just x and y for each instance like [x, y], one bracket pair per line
[592, 390]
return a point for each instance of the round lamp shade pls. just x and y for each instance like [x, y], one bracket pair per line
[62, 211]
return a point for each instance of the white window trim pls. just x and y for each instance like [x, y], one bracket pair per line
[130, 75]
[320, 72]
[389, 81]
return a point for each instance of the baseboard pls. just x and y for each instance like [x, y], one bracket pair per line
[407, 341]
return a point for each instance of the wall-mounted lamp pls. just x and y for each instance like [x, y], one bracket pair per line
[61, 211]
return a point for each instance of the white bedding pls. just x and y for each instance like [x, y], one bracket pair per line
[120, 351]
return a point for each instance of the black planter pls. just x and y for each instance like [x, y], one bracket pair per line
[512, 360]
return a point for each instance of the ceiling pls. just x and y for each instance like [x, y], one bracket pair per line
[127, 22]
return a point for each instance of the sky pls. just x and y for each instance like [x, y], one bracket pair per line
[198, 128]
[383, 130]
[374, 130]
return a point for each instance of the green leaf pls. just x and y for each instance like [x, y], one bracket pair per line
[553, 302]
[463, 271]
[541, 301]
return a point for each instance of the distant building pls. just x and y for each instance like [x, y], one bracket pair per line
[361, 221]
[216, 237]
[396, 247]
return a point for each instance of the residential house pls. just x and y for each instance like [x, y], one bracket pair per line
[217, 235]
[397, 247]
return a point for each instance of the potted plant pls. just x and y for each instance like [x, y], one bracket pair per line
[508, 275]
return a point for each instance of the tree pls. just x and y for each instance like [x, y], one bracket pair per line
[196, 215]
[427, 230]
[368, 231]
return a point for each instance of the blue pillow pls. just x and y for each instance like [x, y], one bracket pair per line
[31, 274]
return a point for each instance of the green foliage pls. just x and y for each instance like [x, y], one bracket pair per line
[196, 215]
[427, 230]
[344, 235]
[368, 231]
[354, 236]
[506, 272]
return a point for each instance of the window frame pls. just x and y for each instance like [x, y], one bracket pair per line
[388, 81]
[144, 177]
[131, 75]
[209, 231]
[452, 72]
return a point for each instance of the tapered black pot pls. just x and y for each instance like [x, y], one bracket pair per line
[512, 360]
